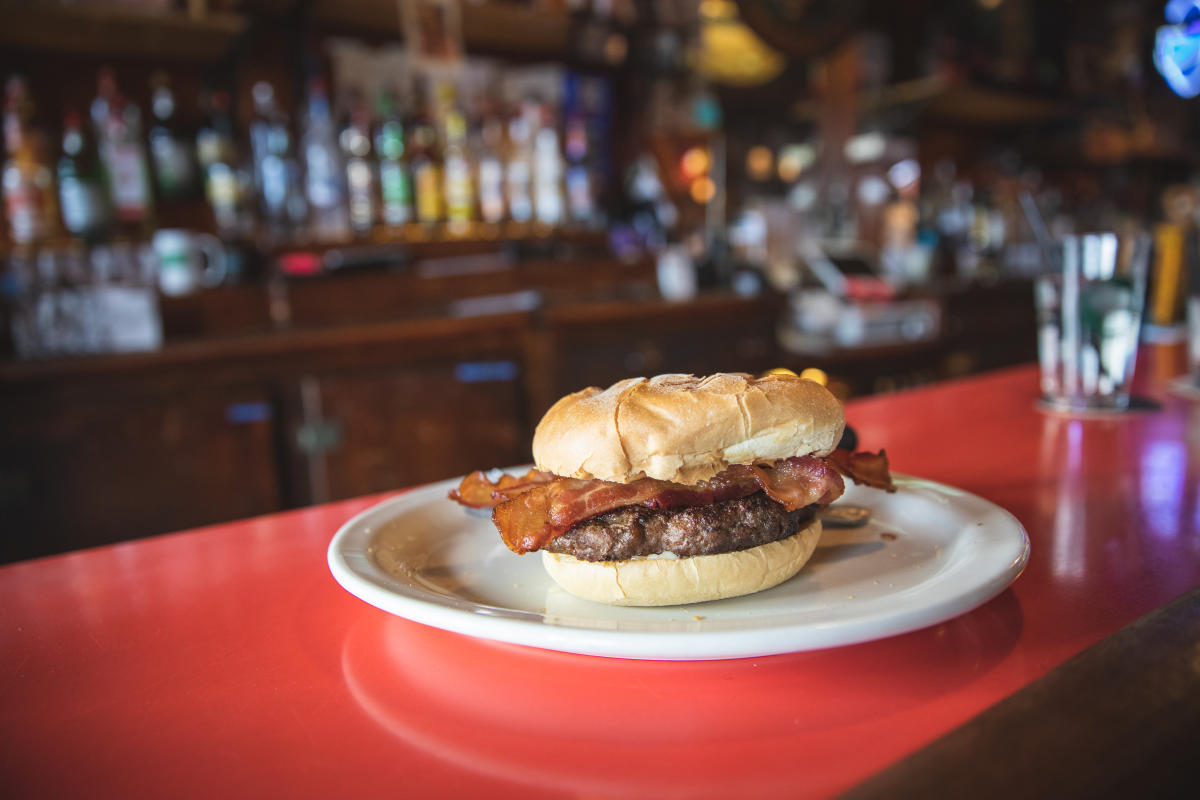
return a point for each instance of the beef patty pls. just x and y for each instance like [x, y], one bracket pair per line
[737, 524]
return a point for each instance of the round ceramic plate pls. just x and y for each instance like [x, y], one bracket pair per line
[929, 553]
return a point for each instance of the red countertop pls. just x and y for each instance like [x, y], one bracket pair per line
[226, 660]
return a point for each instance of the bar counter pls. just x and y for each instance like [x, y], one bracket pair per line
[227, 660]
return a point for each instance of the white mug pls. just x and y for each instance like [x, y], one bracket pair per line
[188, 261]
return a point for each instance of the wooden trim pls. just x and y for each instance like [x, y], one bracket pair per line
[269, 348]
[113, 30]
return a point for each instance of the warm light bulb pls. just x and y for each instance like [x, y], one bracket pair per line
[759, 162]
[815, 375]
[695, 162]
[794, 159]
[616, 47]
[703, 190]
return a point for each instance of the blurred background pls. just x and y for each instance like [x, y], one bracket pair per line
[257, 254]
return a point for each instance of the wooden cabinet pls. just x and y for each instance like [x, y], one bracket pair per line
[983, 328]
[602, 343]
[377, 430]
[101, 450]
[992, 326]
[84, 468]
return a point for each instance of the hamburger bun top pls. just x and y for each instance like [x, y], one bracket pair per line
[685, 429]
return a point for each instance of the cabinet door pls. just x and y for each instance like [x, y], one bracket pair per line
[600, 349]
[364, 432]
[92, 468]
[990, 327]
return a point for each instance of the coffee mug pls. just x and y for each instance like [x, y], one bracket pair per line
[188, 261]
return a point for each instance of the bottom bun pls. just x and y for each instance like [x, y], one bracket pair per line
[695, 579]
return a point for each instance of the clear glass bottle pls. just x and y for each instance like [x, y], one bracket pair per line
[280, 201]
[547, 170]
[492, 208]
[359, 159]
[580, 198]
[323, 183]
[83, 183]
[518, 176]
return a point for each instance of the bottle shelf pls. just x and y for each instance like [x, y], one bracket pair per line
[116, 31]
[415, 241]
[419, 242]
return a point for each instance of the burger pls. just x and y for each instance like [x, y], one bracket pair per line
[677, 489]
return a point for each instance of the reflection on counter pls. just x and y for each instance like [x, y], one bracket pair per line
[478, 699]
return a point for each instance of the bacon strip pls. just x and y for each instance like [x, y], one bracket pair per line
[531, 520]
[476, 491]
[869, 469]
[799, 482]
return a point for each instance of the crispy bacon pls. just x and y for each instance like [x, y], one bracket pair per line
[532, 519]
[869, 469]
[477, 491]
[799, 482]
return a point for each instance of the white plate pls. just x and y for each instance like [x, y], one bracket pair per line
[930, 552]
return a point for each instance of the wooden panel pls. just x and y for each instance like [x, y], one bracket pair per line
[98, 450]
[119, 466]
[224, 311]
[281, 355]
[599, 344]
[994, 326]
[368, 296]
[503, 28]
[404, 426]
[867, 370]
[111, 30]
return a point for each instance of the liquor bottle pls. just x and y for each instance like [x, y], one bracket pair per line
[456, 166]
[170, 147]
[218, 157]
[280, 200]
[395, 186]
[426, 165]
[83, 189]
[323, 184]
[27, 177]
[579, 180]
[355, 141]
[119, 134]
[518, 176]
[491, 167]
[547, 170]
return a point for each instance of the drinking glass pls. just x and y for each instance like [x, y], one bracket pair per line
[1089, 316]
